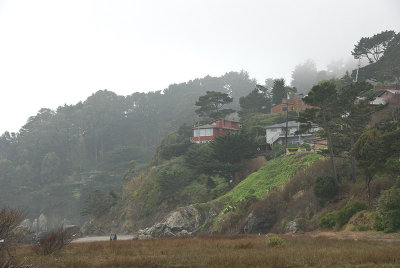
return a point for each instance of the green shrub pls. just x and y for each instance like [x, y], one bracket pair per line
[275, 241]
[344, 215]
[174, 150]
[387, 216]
[276, 151]
[199, 157]
[233, 148]
[341, 217]
[362, 228]
[173, 177]
[329, 220]
[325, 187]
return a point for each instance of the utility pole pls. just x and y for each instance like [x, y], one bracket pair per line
[287, 122]
[298, 125]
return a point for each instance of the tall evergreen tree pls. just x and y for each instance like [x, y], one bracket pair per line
[278, 91]
[326, 113]
[356, 113]
[373, 47]
[258, 101]
[211, 105]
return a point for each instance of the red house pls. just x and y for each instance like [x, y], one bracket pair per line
[206, 133]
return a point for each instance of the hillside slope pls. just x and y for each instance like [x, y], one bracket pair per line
[221, 215]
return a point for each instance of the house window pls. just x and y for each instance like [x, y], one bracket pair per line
[203, 132]
[206, 132]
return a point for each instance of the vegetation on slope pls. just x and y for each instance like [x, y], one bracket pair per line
[273, 174]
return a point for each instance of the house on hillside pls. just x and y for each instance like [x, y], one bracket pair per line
[292, 103]
[219, 127]
[276, 134]
[387, 96]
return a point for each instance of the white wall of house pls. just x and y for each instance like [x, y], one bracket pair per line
[275, 132]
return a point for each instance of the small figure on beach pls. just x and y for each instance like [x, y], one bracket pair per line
[113, 237]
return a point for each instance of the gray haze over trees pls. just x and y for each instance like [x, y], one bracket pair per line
[305, 75]
[59, 157]
[128, 46]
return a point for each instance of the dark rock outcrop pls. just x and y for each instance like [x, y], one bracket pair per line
[259, 222]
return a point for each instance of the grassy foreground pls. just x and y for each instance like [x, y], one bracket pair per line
[221, 251]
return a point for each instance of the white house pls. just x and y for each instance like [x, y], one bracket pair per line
[275, 134]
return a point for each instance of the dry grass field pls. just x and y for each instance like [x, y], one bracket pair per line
[222, 251]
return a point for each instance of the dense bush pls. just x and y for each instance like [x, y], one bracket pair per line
[276, 151]
[344, 215]
[54, 241]
[388, 211]
[99, 203]
[169, 151]
[325, 187]
[275, 241]
[234, 147]
[173, 177]
[10, 233]
[200, 158]
[329, 220]
[341, 217]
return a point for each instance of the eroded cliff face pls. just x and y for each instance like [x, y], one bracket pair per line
[233, 212]
[155, 194]
[185, 221]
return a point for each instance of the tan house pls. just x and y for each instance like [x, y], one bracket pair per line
[292, 103]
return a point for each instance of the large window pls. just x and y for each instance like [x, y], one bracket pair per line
[203, 132]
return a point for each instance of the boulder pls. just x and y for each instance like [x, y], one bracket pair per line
[27, 224]
[259, 222]
[181, 222]
[292, 227]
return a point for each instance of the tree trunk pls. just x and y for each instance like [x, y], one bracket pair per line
[331, 155]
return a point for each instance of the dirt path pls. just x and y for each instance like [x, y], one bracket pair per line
[100, 238]
[364, 236]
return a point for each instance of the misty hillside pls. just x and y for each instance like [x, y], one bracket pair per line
[199, 133]
[215, 188]
[59, 157]
[71, 164]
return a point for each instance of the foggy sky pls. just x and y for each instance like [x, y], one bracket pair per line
[56, 52]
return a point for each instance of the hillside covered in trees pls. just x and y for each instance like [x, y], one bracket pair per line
[124, 163]
[59, 157]
[297, 193]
